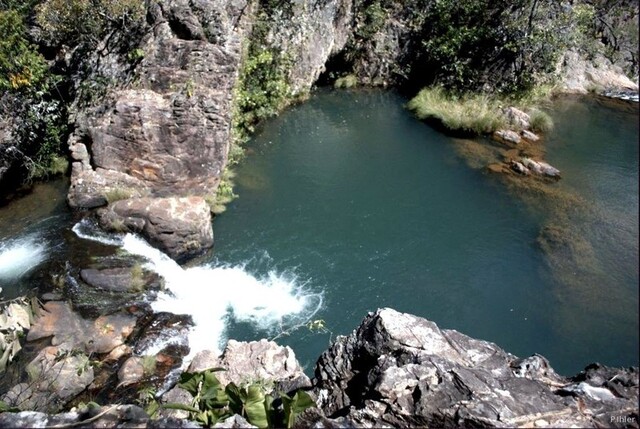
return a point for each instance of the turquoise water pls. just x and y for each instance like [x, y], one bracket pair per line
[372, 208]
[350, 198]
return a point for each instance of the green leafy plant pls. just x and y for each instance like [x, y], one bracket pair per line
[213, 402]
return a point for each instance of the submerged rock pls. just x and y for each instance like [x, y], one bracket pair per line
[508, 136]
[541, 168]
[401, 370]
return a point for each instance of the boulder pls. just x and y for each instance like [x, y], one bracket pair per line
[401, 370]
[131, 371]
[112, 279]
[507, 136]
[517, 118]
[541, 168]
[67, 328]
[181, 227]
[56, 376]
[529, 136]
[255, 360]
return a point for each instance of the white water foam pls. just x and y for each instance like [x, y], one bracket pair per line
[88, 230]
[212, 295]
[19, 256]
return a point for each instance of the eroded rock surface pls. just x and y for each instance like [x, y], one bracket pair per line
[255, 360]
[72, 332]
[179, 226]
[400, 370]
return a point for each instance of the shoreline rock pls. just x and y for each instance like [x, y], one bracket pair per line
[395, 370]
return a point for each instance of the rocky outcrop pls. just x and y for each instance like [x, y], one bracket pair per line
[170, 134]
[255, 360]
[581, 75]
[179, 226]
[395, 370]
[400, 370]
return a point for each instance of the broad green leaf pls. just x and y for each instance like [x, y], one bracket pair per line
[254, 407]
[210, 380]
[235, 398]
[183, 407]
[295, 406]
[190, 381]
[268, 407]
[152, 408]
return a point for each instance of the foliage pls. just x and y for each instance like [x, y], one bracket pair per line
[118, 193]
[474, 114]
[503, 45]
[86, 22]
[263, 88]
[214, 402]
[224, 194]
[20, 63]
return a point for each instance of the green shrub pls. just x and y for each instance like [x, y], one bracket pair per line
[473, 114]
[21, 65]
[540, 121]
[214, 402]
[85, 22]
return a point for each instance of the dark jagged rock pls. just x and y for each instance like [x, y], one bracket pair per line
[401, 370]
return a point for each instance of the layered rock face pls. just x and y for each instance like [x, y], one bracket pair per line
[167, 134]
[401, 370]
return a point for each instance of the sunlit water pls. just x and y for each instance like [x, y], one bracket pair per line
[373, 208]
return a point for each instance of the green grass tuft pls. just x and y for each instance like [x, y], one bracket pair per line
[473, 114]
[540, 121]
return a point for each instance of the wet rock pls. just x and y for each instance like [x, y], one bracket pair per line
[400, 370]
[508, 136]
[112, 279]
[131, 371]
[519, 168]
[529, 136]
[541, 168]
[101, 335]
[517, 118]
[255, 360]
[179, 226]
[177, 395]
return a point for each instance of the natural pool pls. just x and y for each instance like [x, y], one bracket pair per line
[347, 203]
[374, 208]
